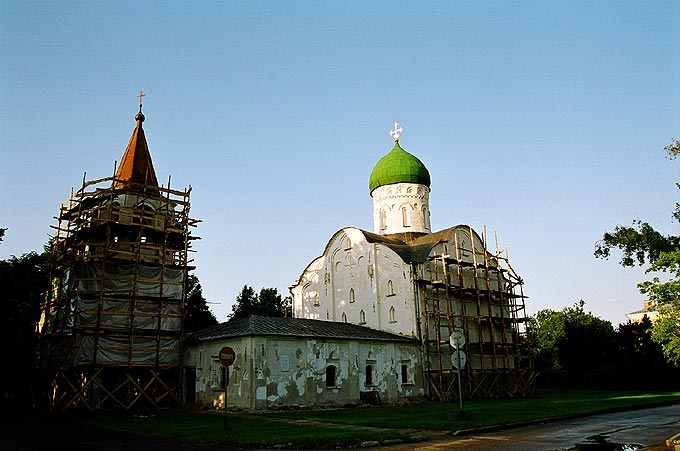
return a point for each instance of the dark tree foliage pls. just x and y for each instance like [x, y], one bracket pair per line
[267, 303]
[23, 282]
[2, 233]
[198, 315]
[642, 364]
[574, 349]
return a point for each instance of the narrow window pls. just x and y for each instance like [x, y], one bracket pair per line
[330, 376]
[393, 315]
[344, 318]
[390, 288]
[426, 217]
[383, 219]
[404, 373]
[369, 374]
[351, 295]
[404, 217]
[362, 317]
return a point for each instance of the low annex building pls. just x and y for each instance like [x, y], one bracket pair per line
[300, 362]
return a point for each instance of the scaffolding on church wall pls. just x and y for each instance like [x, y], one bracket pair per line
[111, 326]
[479, 294]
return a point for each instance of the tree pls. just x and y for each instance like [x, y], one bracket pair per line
[198, 315]
[572, 347]
[23, 283]
[267, 303]
[642, 244]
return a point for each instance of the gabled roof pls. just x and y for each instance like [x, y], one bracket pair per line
[135, 169]
[255, 325]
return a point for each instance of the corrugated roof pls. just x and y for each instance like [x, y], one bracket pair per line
[255, 325]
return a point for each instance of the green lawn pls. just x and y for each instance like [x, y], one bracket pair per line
[482, 413]
[268, 429]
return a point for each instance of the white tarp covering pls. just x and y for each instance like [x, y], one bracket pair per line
[114, 350]
[138, 280]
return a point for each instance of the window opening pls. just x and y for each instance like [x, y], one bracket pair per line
[390, 288]
[351, 295]
[369, 374]
[362, 317]
[404, 373]
[393, 315]
[330, 376]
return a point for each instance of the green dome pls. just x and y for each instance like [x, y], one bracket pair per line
[398, 166]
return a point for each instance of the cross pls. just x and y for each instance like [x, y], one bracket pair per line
[141, 94]
[397, 130]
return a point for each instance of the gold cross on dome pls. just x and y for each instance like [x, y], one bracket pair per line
[141, 94]
[396, 132]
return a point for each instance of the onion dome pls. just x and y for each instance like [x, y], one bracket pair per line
[398, 166]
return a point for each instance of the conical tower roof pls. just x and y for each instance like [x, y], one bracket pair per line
[136, 169]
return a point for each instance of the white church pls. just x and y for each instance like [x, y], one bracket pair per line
[375, 313]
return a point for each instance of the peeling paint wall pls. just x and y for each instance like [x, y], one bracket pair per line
[272, 372]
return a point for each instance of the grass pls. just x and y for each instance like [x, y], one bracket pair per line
[483, 413]
[324, 428]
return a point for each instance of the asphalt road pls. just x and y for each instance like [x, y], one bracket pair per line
[645, 429]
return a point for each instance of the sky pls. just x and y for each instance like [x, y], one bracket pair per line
[544, 121]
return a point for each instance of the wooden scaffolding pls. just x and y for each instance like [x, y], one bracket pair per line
[469, 290]
[111, 326]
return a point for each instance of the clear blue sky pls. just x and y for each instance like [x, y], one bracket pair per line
[543, 120]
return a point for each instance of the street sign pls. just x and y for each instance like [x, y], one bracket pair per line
[458, 359]
[227, 356]
[457, 339]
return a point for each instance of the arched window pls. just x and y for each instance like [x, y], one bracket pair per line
[404, 217]
[330, 376]
[362, 317]
[426, 217]
[390, 288]
[393, 315]
[369, 374]
[344, 318]
[383, 219]
[351, 295]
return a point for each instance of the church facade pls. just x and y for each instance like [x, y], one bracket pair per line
[395, 315]
[404, 279]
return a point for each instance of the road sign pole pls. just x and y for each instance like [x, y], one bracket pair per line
[227, 357]
[226, 387]
[460, 385]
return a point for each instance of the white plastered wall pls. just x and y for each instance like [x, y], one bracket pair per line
[355, 276]
[401, 208]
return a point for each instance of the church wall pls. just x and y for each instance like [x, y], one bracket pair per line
[355, 276]
[395, 291]
[272, 372]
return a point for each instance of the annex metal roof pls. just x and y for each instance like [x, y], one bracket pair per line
[255, 325]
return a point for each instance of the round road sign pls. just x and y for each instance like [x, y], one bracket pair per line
[457, 339]
[458, 359]
[227, 356]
